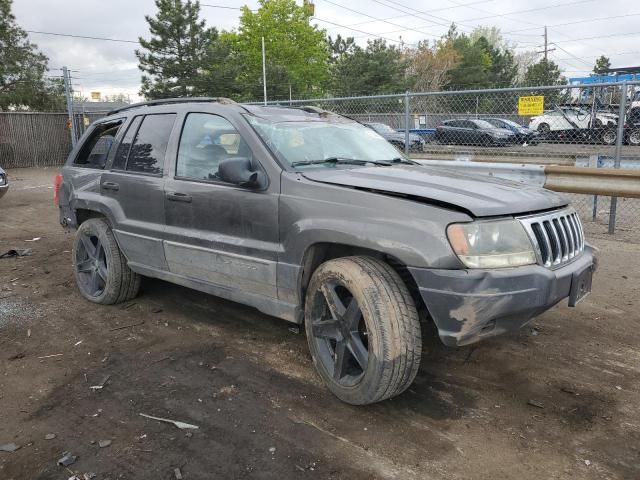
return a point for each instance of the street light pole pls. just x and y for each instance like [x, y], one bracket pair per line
[264, 72]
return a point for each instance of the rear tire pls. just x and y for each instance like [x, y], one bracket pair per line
[363, 329]
[544, 129]
[609, 137]
[634, 137]
[100, 268]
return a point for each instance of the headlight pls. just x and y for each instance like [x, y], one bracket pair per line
[491, 244]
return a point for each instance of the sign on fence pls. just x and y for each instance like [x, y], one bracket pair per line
[533, 105]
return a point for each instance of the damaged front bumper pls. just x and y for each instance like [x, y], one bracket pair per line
[469, 305]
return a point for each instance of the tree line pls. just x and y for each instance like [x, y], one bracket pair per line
[183, 56]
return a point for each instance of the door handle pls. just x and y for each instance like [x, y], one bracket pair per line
[110, 186]
[178, 197]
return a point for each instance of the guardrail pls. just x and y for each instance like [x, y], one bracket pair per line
[610, 182]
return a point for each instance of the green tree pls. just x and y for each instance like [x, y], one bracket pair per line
[340, 46]
[429, 66]
[297, 53]
[545, 72]
[482, 63]
[172, 60]
[602, 63]
[22, 69]
[377, 69]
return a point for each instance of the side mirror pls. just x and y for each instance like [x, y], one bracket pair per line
[238, 171]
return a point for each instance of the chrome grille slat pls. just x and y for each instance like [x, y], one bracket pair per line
[557, 236]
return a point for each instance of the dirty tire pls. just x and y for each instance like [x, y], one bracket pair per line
[388, 325]
[121, 283]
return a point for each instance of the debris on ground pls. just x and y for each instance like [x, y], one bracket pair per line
[101, 385]
[50, 436]
[17, 356]
[295, 330]
[67, 459]
[178, 424]
[9, 447]
[127, 326]
[533, 403]
[568, 390]
[77, 343]
[50, 356]
[17, 252]
[272, 450]
[34, 239]
[177, 473]
[104, 443]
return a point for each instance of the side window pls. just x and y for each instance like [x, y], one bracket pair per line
[95, 150]
[206, 140]
[120, 162]
[150, 145]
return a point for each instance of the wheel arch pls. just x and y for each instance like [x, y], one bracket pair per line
[320, 252]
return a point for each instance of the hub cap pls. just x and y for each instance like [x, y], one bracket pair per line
[91, 265]
[340, 334]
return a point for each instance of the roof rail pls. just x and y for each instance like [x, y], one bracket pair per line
[170, 101]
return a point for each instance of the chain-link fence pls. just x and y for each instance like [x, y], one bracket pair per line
[594, 125]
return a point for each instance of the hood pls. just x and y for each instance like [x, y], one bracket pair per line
[482, 196]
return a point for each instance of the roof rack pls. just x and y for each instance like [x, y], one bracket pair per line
[170, 101]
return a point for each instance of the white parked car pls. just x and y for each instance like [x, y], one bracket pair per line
[573, 117]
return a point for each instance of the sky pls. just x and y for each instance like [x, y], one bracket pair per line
[578, 30]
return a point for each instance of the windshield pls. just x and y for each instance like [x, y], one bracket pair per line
[502, 121]
[483, 124]
[381, 127]
[309, 141]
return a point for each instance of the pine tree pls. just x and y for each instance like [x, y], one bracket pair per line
[22, 69]
[173, 59]
[602, 63]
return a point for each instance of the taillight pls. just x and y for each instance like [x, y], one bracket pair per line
[56, 189]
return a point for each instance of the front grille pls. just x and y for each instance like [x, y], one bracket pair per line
[558, 237]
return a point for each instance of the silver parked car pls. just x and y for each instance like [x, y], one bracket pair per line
[316, 219]
[4, 182]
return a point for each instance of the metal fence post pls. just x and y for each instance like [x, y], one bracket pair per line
[406, 122]
[619, 143]
[67, 93]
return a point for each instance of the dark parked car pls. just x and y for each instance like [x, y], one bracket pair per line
[397, 139]
[632, 127]
[523, 134]
[473, 132]
[316, 219]
[4, 182]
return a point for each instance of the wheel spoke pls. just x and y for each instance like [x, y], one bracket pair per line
[85, 265]
[339, 360]
[94, 282]
[336, 307]
[88, 246]
[359, 351]
[352, 315]
[326, 329]
[102, 272]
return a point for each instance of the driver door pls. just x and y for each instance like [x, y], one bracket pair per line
[217, 233]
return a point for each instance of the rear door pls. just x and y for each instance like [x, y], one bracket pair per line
[134, 188]
[218, 233]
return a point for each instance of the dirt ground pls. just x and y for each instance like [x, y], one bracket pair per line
[559, 400]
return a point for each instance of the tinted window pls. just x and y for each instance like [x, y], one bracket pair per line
[96, 149]
[150, 144]
[206, 140]
[125, 145]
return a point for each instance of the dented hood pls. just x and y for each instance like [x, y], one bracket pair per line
[482, 196]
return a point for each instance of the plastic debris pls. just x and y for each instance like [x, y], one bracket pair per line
[50, 356]
[177, 473]
[101, 385]
[50, 436]
[104, 443]
[34, 239]
[9, 447]
[17, 252]
[180, 425]
[67, 459]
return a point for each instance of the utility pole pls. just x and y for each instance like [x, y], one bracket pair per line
[264, 72]
[67, 91]
[546, 46]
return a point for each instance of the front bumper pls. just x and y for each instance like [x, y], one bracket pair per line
[4, 189]
[469, 305]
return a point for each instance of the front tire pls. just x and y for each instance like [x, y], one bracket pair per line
[363, 329]
[544, 129]
[100, 268]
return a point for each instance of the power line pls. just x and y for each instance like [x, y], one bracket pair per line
[83, 36]
[574, 23]
[361, 31]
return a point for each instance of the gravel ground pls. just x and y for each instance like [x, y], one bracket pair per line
[559, 400]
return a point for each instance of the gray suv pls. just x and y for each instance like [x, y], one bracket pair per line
[316, 219]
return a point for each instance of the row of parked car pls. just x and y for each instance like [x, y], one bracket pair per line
[567, 124]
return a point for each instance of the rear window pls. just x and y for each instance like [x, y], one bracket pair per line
[96, 148]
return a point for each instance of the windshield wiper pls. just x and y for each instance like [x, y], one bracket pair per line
[402, 160]
[341, 160]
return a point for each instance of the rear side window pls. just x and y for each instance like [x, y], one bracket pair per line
[96, 148]
[120, 162]
[150, 144]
